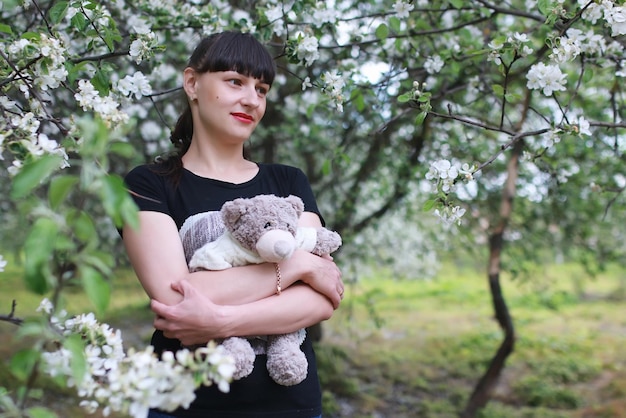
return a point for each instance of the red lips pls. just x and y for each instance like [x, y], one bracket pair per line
[244, 117]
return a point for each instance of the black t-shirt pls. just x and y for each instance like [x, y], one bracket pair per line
[256, 395]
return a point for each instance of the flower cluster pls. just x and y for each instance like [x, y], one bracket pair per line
[107, 107]
[450, 215]
[307, 49]
[444, 175]
[402, 8]
[517, 42]
[614, 16]
[23, 129]
[48, 56]
[143, 47]
[136, 84]
[433, 64]
[547, 78]
[3, 263]
[133, 383]
[333, 88]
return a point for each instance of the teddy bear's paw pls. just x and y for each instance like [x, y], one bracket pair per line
[287, 368]
[243, 354]
[327, 242]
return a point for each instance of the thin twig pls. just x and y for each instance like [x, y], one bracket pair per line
[11, 316]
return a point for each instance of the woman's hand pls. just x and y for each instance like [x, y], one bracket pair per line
[193, 320]
[321, 274]
[196, 319]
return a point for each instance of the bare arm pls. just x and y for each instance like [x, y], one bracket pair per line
[196, 307]
[156, 253]
[295, 308]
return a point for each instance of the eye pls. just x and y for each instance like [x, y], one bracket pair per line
[262, 90]
[268, 225]
[234, 81]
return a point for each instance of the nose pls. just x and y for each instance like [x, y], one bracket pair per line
[250, 97]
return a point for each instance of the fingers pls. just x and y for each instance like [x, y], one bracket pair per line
[160, 309]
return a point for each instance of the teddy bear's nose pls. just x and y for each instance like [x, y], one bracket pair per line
[283, 248]
[276, 245]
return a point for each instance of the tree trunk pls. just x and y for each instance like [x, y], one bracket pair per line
[485, 386]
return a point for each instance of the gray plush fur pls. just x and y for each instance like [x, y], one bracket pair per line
[246, 221]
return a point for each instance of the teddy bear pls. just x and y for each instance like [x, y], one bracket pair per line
[255, 230]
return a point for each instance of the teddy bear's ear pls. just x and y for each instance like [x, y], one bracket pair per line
[233, 210]
[297, 203]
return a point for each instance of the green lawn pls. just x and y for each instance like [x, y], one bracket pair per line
[416, 348]
[438, 336]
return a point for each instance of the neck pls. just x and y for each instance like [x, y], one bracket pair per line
[220, 163]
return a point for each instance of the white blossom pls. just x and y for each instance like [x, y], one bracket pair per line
[323, 14]
[402, 8]
[433, 64]
[450, 215]
[136, 381]
[15, 167]
[547, 78]
[3, 263]
[136, 84]
[615, 17]
[569, 47]
[307, 49]
[583, 126]
[333, 87]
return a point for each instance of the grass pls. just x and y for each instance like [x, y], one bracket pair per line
[437, 337]
[417, 348]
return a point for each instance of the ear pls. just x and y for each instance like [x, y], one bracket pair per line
[189, 83]
[233, 210]
[297, 203]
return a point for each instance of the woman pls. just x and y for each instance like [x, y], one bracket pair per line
[226, 82]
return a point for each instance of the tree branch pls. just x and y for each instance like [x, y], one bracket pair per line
[11, 316]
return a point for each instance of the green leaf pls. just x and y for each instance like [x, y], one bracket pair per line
[429, 205]
[357, 99]
[395, 23]
[102, 261]
[544, 6]
[326, 167]
[96, 287]
[83, 226]
[41, 412]
[38, 250]
[60, 188]
[23, 361]
[5, 29]
[33, 173]
[116, 200]
[498, 89]
[457, 4]
[78, 364]
[32, 327]
[79, 22]
[123, 149]
[420, 118]
[403, 98]
[382, 31]
[74, 70]
[58, 12]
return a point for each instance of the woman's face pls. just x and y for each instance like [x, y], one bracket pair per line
[228, 105]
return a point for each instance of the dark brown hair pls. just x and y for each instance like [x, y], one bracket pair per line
[224, 51]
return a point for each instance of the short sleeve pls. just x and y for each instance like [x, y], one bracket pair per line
[302, 188]
[147, 188]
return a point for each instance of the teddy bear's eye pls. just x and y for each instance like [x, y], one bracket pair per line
[267, 225]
